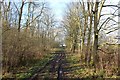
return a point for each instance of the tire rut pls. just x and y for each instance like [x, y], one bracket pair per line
[54, 69]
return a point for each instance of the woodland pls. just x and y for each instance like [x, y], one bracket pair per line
[85, 41]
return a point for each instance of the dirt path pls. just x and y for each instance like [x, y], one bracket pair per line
[54, 69]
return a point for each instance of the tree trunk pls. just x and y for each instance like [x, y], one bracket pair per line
[118, 74]
[28, 20]
[95, 45]
[88, 53]
[20, 16]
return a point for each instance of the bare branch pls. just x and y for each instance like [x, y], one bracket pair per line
[109, 26]
[37, 15]
[113, 30]
[111, 6]
[16, 8]
[107, 20]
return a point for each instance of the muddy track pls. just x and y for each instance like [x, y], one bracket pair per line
[54, 69]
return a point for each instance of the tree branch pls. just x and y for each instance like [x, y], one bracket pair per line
[113, 30]
[37, 15]
[111, 6]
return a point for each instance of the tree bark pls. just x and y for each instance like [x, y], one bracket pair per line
[20, 16]
[88, 53]
[95, 45]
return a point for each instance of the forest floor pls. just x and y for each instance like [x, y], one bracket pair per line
[66, 66]
[23, 72]
[61, 66]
